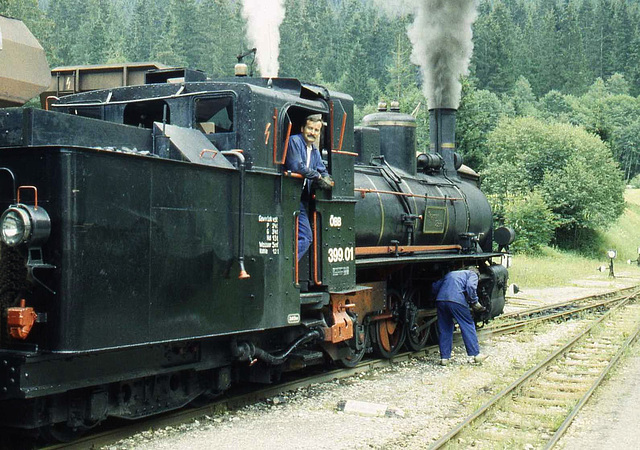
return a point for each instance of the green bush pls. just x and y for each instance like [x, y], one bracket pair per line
[572, 169]
[533, 222]
[587, 242]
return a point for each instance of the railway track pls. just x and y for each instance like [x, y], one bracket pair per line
[528, 305]
[558, 311]
[507, 324]
[535, 410]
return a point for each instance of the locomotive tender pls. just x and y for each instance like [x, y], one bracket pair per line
[149, 238]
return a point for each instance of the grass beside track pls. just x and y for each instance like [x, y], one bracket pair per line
[554, 268]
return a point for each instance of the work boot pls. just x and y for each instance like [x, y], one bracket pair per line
[477, 307]
[479, 358]
[444, 362]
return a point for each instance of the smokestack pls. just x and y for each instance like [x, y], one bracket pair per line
[263, 29]
[442, 133]
[441, 36]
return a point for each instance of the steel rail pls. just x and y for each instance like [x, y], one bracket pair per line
[587, 298]
[585, 398]
[174, 418]
[505, 327]
[480, 412]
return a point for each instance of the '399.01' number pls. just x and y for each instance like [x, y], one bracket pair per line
[339, 254]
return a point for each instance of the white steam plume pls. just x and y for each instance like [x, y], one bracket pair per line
[442, 46]
[263, 28]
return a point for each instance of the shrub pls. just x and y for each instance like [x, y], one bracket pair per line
[533, 222]
[572, 169]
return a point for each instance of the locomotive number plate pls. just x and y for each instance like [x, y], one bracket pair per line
[340, 254]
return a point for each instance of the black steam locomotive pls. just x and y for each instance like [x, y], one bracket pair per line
[148, 242]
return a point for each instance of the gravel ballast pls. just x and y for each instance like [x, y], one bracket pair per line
[426, 399]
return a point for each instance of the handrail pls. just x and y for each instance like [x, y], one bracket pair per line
[275, 134]
[291, 174]
[203, 152]
[46, 101]
[286, 145]
[315, 249]
[344, 153]
[35, 191]
[364, 191]
[344, 123]
[295, 245]
[13, 179]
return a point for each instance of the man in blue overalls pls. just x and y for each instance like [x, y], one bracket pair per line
[303, 157]
[454, 294]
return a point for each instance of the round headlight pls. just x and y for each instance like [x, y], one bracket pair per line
[16, 226]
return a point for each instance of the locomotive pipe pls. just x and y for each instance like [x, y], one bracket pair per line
[247, 351]
[442, 133]
[13, 179]
[238, 154]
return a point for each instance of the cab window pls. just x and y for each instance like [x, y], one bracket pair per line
[143, 114]
[93, 112]
[214, 115]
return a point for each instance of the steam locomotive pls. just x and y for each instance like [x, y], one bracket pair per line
[149, 238]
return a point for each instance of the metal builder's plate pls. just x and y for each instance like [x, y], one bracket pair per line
[435, 219]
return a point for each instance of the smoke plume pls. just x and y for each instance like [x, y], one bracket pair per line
[263, 28]
[441, 36]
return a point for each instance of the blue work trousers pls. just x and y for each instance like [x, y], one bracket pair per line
[447, 311]
[305, 235]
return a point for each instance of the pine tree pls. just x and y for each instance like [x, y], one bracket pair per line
[223, 37]
[633, 63]
[572, 74]
[542, 39]
[181, 38]
[606, 51]
[99, 35]
[495, 40]
[68, 17]
[142, 32]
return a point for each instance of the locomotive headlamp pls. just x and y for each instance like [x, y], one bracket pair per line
[15, 226]
[25, 224]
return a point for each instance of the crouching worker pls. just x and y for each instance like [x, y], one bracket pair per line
[454, 294]
[304, 158]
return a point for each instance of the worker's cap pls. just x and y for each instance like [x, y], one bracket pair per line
[474, 269]
[314, 118]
